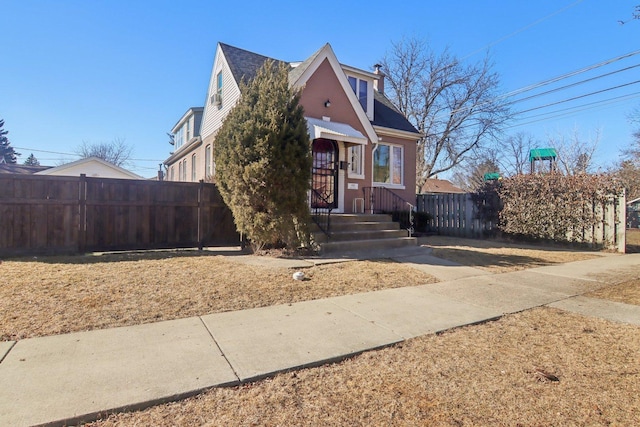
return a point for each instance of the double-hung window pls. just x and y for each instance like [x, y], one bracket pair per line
[219, 87]
[356, 159]
[207, 163]
[193, 168]
[388, 164]
[360, 88]
[179, 138]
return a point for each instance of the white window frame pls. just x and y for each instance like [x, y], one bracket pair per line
[178, 138]
[356, 164]
[208, 172]
[219, 86]
[194, 163]
[368, 107]
[392, 149]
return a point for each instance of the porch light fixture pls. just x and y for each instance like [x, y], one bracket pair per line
[327, 103]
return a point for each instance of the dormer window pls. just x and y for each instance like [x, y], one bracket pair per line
[361, 89]
[219, 87]
[179, 138]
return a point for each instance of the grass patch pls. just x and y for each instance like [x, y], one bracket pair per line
[627, 292]
[487, 374]
[499, 257]
[56, 295]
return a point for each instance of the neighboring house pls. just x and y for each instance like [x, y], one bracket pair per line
[91, 167]
[21, 169]
[633, 213]
[435, 186]
[358, 138]
[186, 133]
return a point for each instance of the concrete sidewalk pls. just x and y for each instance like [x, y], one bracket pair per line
[77, 377]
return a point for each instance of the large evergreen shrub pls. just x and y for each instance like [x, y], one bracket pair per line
[263, 161]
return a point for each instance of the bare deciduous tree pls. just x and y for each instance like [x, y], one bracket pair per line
[115, 152]
[575, 153]
[471, 177]
[514, 153]
[632, 153]
[628, 169]
[453, 104]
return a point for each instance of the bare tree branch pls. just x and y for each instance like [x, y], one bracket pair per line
[514, 154]
[575, 153]
[115, 152]
[452, 104]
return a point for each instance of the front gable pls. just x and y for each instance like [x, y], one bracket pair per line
[322, 86]
[91, 167]
[322, 78]
[216, 109]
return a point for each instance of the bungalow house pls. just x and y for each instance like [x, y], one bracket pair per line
[91, 167]
[359, 139]
[439, 186]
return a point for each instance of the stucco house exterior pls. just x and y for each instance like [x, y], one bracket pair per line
[359, 139]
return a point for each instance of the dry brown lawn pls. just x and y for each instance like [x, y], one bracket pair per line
[499, 257]
[627, 292]
[497, 373]
[56, 295]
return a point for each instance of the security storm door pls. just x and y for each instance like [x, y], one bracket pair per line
[324, 186]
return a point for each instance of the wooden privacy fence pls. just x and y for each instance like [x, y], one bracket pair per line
[453, 214]
[457, 215]
[52, 214]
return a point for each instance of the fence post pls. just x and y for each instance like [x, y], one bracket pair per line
[621, 223]
[82, 213]
[200, 214]
[469, 215]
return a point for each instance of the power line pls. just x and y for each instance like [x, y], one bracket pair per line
[574, 84]
[580, 96]
[570, 74]
[526, 27]
[542, 83]
[569, 111]
[77, 155]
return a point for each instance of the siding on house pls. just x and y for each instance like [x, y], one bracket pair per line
[322, 79]
[213, 115]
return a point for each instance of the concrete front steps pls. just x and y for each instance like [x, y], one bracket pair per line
[357, 232]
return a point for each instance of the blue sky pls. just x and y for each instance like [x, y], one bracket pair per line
[96, 70]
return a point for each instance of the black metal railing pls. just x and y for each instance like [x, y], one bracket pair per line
[380, 200]
[321, 208]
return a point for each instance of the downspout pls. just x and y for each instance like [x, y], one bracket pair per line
[373, 154]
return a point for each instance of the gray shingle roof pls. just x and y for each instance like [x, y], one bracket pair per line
[244, 65]
[21, 169]
[386, 115]
[295, 74]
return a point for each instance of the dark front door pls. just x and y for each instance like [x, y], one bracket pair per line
[324, 185]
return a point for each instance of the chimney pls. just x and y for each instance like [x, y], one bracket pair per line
[379, 84]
